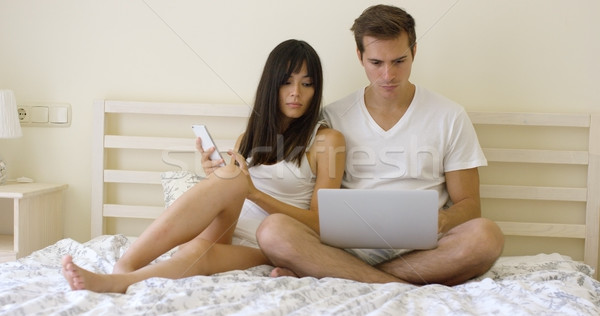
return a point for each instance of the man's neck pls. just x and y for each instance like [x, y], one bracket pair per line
[387, 112]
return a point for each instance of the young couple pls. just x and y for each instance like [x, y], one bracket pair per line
[279, 211]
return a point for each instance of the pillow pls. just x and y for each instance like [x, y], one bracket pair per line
[175, 183]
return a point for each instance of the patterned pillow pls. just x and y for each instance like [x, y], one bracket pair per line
[175, 183]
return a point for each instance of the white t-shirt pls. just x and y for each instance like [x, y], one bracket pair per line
[434, 136]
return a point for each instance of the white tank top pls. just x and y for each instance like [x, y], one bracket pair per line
[284, 181]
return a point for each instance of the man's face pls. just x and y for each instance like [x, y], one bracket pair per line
[387, 64]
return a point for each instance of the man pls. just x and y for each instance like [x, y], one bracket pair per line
[398, 136]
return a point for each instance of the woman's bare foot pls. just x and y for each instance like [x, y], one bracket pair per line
[82, 279]
[278, 272]
[120, 269]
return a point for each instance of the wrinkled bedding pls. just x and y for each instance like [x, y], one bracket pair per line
[545, 284]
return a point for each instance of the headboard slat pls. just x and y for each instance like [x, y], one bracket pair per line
[533, 193]
[536, 156]
[158, 108]
[592, 241]
[159, 143]
[141, 142]
[131, 176]
[531, 119]
[542, 229]
[132, 211]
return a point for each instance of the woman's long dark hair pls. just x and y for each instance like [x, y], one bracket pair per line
[263, 141]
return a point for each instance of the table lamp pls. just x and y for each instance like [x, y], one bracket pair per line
[9, 124]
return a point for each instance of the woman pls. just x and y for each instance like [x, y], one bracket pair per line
[290, 156]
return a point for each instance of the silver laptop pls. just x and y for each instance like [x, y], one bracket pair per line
[399, 219]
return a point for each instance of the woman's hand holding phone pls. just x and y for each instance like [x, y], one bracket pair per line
[211, 158]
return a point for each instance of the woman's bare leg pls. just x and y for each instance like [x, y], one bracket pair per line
[210, 209]
[199, 257]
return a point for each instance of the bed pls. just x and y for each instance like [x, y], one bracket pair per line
[542, 187]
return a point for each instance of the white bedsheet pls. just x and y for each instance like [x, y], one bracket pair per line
[536, 285]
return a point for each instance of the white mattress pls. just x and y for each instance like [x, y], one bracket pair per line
[546, 284]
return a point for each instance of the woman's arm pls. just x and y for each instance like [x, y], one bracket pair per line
[327, 158]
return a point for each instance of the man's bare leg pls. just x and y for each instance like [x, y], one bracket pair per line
[466, 251]
[199, 257]
[291, 245]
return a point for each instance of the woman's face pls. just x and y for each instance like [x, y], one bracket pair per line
[296, 94]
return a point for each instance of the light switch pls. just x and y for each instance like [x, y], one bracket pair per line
[59, 115]
[39, 114]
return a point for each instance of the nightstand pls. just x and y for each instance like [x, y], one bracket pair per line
[36, 217]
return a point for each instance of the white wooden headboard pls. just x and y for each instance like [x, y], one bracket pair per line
[542, 184]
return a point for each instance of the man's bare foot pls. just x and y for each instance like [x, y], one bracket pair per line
[82, 279]
[278, 272]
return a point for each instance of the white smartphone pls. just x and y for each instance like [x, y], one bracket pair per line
[207, 141]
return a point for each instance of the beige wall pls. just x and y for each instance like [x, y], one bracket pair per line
[536, 55]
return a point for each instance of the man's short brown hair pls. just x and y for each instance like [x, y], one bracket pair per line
[384, 22]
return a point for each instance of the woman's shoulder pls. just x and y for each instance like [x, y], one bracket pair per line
[328, 135]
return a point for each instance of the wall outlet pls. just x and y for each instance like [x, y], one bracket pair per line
[24, 114]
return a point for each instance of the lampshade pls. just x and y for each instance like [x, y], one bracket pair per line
[9, 124]
[9, 116]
